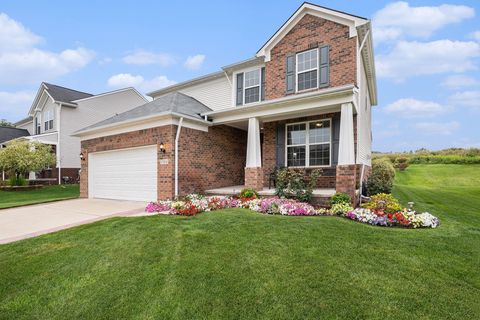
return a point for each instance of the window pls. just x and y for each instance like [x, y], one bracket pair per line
[38, 125]
[309, 144]
[252, 86]
[48, 119]
[307, 70]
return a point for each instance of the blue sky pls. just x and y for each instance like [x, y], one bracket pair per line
[427, 55]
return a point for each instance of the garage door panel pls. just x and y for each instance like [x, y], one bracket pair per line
[127, 174]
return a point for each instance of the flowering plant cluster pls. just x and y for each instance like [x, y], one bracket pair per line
[405, 218]
[194, 204]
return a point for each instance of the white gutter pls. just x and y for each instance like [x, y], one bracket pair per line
[177, 137]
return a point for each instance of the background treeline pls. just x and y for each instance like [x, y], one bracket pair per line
[400, 160]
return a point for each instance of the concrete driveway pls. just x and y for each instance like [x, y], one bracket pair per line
[31, 221]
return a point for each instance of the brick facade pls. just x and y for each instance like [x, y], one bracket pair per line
[346, 180]
[206, 160]
[254, 178]
[309, 32]
[211, 159]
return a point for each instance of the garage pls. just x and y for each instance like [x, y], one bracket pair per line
[126, 174]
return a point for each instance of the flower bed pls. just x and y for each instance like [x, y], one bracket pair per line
[194, 204]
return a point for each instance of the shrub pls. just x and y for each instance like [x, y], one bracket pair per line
[381, 179]
[248, 193]
[341, 208]
[340, 198]
[401, 163]
[389, 203]
[295, 183]
[17, 180]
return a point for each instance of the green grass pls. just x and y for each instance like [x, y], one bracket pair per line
[236, 264]
[10, 199]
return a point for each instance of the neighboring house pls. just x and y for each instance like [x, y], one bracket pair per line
[57, 112]
[303, 101]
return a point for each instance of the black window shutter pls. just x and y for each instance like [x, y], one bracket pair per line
[280, 138]
[324, 67]
[239, 101]
[262, 79]
[290, 74]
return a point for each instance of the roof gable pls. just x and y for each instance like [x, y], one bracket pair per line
[346, 19]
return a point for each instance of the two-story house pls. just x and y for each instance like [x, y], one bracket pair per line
[303, 101]
[57, 112]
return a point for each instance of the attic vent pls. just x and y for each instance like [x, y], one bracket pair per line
[313, 45]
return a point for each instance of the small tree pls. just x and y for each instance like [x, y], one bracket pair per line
[20, 157]
[5, 123]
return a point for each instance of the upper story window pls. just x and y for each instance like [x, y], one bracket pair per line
[309, 144]
[250, 86]
[307, 70]
[48, 119]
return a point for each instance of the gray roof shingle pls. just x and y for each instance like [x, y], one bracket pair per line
[63, 94]
[174, 102]
[8, 133]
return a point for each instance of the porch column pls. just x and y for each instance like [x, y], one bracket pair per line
[253, 169]
[346, 168]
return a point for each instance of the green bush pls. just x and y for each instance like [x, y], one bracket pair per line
[389, 203]
[381, 179]
[341, 208]
[401, 163]
[296, 184]
[248, 193]
[340, 198]
[17, 180]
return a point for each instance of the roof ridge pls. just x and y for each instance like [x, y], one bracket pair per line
[56, 85]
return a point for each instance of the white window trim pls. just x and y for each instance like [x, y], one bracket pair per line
[49, 119]
[234, 86]
[307, 144]
[259, 70]
[308, 70]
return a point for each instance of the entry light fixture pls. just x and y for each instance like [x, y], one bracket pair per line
[162, 147]
[82, 157]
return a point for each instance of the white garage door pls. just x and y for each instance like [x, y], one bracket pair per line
[127, 174]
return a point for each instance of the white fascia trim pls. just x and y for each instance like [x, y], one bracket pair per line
[23, 121]
[307, 8]
[324, 93]
[368, 57]
[146, 119]
[113, 92]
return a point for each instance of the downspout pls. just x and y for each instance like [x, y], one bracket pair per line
[177, 138]
[3, 172]
[58, 145]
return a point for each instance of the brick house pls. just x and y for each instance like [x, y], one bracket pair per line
[304, 100]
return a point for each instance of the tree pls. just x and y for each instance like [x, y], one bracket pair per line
[5, 123]
[20, 157]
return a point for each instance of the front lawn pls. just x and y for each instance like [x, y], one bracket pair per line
[237, 264]
[10, 199]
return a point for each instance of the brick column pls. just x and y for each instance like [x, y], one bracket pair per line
[254, 178]
[346, 180]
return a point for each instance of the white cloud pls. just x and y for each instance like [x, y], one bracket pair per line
[459, 81]
[412, 108]
[466, 99]
[194, 62]
[143, 57]
[443, 128]
[407, 59]
[398, 20]
[128, 80]
[14, 105]
[21, 62]
[475, 35]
